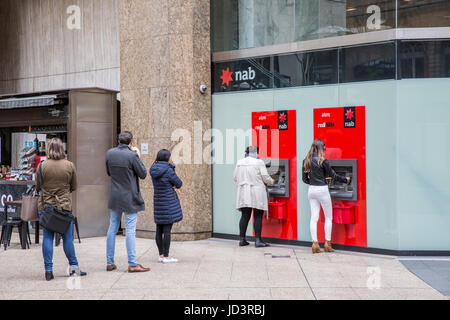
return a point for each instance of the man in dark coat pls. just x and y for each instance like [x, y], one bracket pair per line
[124, 166]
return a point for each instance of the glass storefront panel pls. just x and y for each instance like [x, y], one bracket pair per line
[422, 143]
[305, 69]
[407, 128]
[224, 25]
[367, 63]
[316, 19]
[265, 23]
[415, 59]
[241, 24]
[423, 14]
[424, 59]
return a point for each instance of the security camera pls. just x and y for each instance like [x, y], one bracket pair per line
[203, 88]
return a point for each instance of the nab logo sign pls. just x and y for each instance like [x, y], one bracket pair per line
[242, 75]
[282, 120]
[349, 117]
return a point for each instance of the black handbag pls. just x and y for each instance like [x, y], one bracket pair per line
[52, 218]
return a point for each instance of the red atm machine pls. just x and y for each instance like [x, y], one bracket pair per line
[344, 132]
[274, 132]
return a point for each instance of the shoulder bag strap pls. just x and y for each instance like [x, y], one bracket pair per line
[41, 182]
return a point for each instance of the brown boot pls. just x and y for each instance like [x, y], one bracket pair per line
[316, 248]
[327, 247]
[111, 267]
[138, 268]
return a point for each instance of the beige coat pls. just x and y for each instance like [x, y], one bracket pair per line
[251, 176]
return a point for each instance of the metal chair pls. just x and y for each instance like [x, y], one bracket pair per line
[13, 220]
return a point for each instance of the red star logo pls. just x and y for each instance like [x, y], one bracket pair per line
[283, 117]
[349, 114]
[226, 76]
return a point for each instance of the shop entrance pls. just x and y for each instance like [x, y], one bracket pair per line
[86, 121]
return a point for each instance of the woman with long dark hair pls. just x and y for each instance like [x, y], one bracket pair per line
[316, 169]
[166, 205]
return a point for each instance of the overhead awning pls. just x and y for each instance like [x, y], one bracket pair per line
[36, 101]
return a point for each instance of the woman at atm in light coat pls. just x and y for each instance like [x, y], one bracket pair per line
[251, 176]
[315, 170]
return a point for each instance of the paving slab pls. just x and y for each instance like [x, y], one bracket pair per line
[335, 294]
[215, 269]
[434, 271]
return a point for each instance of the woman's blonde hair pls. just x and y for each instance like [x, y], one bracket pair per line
[318, 148]
[55, 149]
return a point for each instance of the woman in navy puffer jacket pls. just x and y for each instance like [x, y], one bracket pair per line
[166, 205]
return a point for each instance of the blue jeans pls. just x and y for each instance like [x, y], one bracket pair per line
[47, 247]
[130, 227]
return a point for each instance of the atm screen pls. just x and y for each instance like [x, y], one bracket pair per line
[341, 190]
[278, 170]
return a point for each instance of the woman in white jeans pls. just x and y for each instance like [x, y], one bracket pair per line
[315, 171]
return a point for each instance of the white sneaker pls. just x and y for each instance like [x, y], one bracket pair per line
[160, 259]
[169, 260]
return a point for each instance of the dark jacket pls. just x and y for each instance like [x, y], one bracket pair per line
[318, 174]
[166, 205]
[125, 168]
[59, 179]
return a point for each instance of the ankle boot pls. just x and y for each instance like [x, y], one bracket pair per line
[259, 243]
[327, 247]
[243, 242]
[316, 247]
[49, 275]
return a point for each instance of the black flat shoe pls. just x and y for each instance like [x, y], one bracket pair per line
[243, 242]
[49, 275]
[260, 244]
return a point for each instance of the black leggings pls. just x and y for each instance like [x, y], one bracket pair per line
[163, 238]
[245, 218]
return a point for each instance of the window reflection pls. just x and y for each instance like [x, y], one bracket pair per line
[366, 63]
[240, 24]
[415, 59]
[224, 25]
[422, 14]
[303, 69]
[369, 15]
[424, 59]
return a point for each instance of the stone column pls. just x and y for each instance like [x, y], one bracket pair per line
[165, 57]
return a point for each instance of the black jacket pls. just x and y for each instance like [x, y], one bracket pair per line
[125, 168]
[318, 174]
[166, 205]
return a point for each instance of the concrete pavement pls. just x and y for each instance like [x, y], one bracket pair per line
[210, 269]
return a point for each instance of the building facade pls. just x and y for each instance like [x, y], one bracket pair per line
[391, 57]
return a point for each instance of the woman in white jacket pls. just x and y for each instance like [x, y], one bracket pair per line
[251, 176]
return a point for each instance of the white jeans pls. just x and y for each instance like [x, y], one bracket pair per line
[320, 196]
